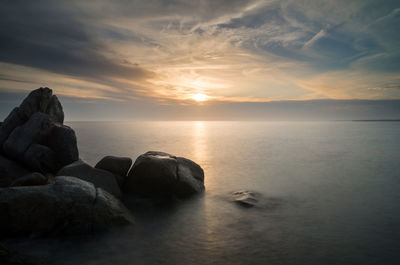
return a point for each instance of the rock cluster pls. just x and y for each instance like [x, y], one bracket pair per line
[34, 139]
[46, 189]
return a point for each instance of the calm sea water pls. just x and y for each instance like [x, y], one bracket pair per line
[330, 195]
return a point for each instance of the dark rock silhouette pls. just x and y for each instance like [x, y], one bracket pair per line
[119, 166]
[10, 257]
[69, 206]
[158, 174]
[100, 178]
[33, 134]
[32, 179]
[10, 171]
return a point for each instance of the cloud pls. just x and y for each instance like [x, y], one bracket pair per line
[231, 50]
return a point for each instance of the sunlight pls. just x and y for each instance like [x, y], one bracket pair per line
[199, 97]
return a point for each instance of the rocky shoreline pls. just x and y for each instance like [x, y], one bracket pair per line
[46, 189]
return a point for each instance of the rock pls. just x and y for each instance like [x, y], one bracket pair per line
[40, 158]
[159, 174]
[191, 177]
[69, 206]
[54, 110]
[9, 257]
[100, 178]
[32, 179]
[36, 101]
[245, 198]
[62, 140]
[116, 165]
[13, 120]
[33, 131]
[10, 171]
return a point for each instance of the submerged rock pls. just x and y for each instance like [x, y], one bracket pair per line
[100, 178]
[157, 174]
[69, 206]
[245, 198]
[116, 165]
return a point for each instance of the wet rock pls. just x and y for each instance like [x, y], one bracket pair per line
[100, 178]
[10, 171]
[158, 174]
[69, 206]
[33, 131]
[32, 179]
[119, 166]
[245, 198]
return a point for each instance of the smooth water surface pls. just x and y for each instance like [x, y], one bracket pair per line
[331, 195]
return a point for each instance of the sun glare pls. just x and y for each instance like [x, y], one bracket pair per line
[199, 97]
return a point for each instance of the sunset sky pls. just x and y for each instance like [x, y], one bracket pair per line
[212, 59]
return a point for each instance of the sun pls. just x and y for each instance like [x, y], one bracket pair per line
[199, 97]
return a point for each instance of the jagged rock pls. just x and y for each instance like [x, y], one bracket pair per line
[116, 165]
[100, 178]
[10, 171]
[32, 179]
[33, 131]
[69, 206]
[159, 173]
[62, 140]
[245, 198]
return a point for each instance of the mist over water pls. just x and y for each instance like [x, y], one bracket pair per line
[330, 195]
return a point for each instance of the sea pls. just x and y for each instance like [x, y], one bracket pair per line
[329, 193]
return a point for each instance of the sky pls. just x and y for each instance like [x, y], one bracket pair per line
[206, 59]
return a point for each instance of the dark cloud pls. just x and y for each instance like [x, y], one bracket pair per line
[42, 35]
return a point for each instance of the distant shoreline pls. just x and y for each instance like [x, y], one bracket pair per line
[394, 120]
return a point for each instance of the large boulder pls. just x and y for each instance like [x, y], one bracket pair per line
[36, 101]
[10, 171]
[62, 140]
[119, 166]
[100, 178]
[40, 158]
[69, 206]
[13, 120]
[33, 131]
[158, 174]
